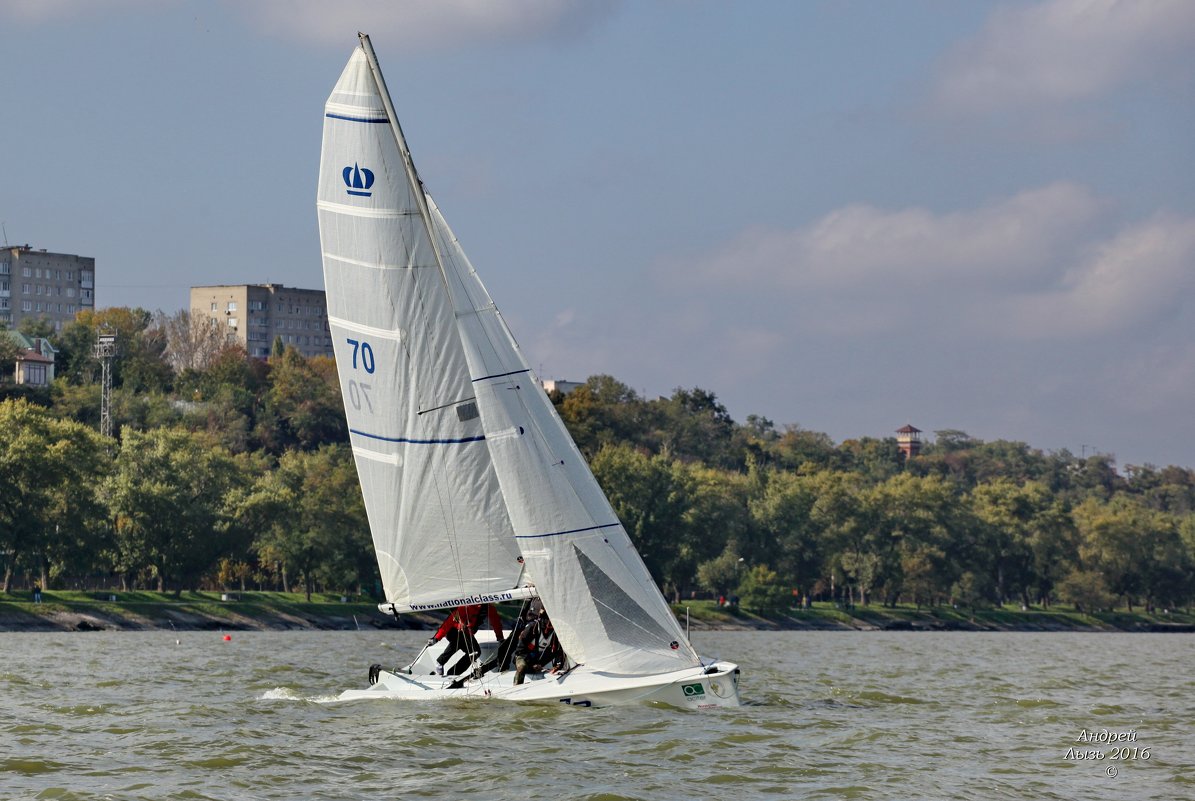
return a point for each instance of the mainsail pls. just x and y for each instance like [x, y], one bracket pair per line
[460, 452]
[439, 524]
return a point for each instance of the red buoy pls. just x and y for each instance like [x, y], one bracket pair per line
[227, 637]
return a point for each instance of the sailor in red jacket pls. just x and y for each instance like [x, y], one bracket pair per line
[460, 628]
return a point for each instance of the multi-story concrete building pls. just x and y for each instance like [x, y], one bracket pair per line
[560, 385]
[254, 314]
[37, 283]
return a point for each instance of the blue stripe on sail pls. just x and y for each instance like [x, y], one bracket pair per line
[558, 533]
[501, 375]
[357, 119]
[416, 441]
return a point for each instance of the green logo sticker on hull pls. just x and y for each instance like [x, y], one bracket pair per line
[692, 690]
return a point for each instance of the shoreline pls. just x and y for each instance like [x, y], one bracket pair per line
[267, 611]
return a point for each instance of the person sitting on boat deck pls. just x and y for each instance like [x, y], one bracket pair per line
[501, 660]
[460, 628]
[537, 647]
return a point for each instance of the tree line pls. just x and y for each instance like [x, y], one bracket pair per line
[235, 473]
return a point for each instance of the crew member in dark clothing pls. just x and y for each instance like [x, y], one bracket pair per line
[460, 628]
[537, 647]
[505, 654]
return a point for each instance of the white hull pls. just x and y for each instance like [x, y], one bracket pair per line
[693, 688]
[716, 685]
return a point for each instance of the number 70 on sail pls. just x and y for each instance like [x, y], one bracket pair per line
[358, 392]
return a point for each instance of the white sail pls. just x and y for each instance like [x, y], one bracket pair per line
[608, 612]
[439, 524]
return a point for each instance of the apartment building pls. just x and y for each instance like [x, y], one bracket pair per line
[40, 284]
[254, 314]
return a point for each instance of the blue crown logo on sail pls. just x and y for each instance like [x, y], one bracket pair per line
[358, 179]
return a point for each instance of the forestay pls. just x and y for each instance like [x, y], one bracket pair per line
[440, 527]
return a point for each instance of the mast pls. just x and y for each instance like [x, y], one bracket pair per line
[396, 128]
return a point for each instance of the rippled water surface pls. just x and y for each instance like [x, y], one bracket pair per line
[160, 715]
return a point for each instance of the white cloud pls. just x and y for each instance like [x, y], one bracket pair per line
[422, 24]
[1008, 242]
[1040, 264]
[1143, 273]
[1065, 50]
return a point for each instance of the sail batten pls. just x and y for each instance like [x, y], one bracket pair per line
[350, 210]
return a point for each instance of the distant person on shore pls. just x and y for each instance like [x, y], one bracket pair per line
[37, 593]
[460, 628]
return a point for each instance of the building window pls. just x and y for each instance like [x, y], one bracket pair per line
[232, 305]
[25, 289]
[26, 305]
[70, 291]
[35, 374]
[4, 268]
[39, 306]
[232, 322]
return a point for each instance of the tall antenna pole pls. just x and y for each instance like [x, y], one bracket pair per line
[105, 350]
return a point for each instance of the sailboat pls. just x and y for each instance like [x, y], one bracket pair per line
[474, 490]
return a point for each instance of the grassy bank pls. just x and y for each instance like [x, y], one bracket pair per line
[143, 610]
[111, 610]
[827, 616]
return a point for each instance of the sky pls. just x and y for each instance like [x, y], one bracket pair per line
[845, 216]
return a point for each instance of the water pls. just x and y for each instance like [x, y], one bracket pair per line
[873, 715]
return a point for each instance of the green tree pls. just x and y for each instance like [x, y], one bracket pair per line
[303, 406]
[1010, 512]
[311, 518]
[168, 498]
[721, 574]
[784, 514]
[696, 427]
[1086, 589]
[9, 350]
[604, 411]
[763, 591]
[876, 459]
[716, 517]
[139, 365]
[48, 469]
[919, 519]
[650, 495]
